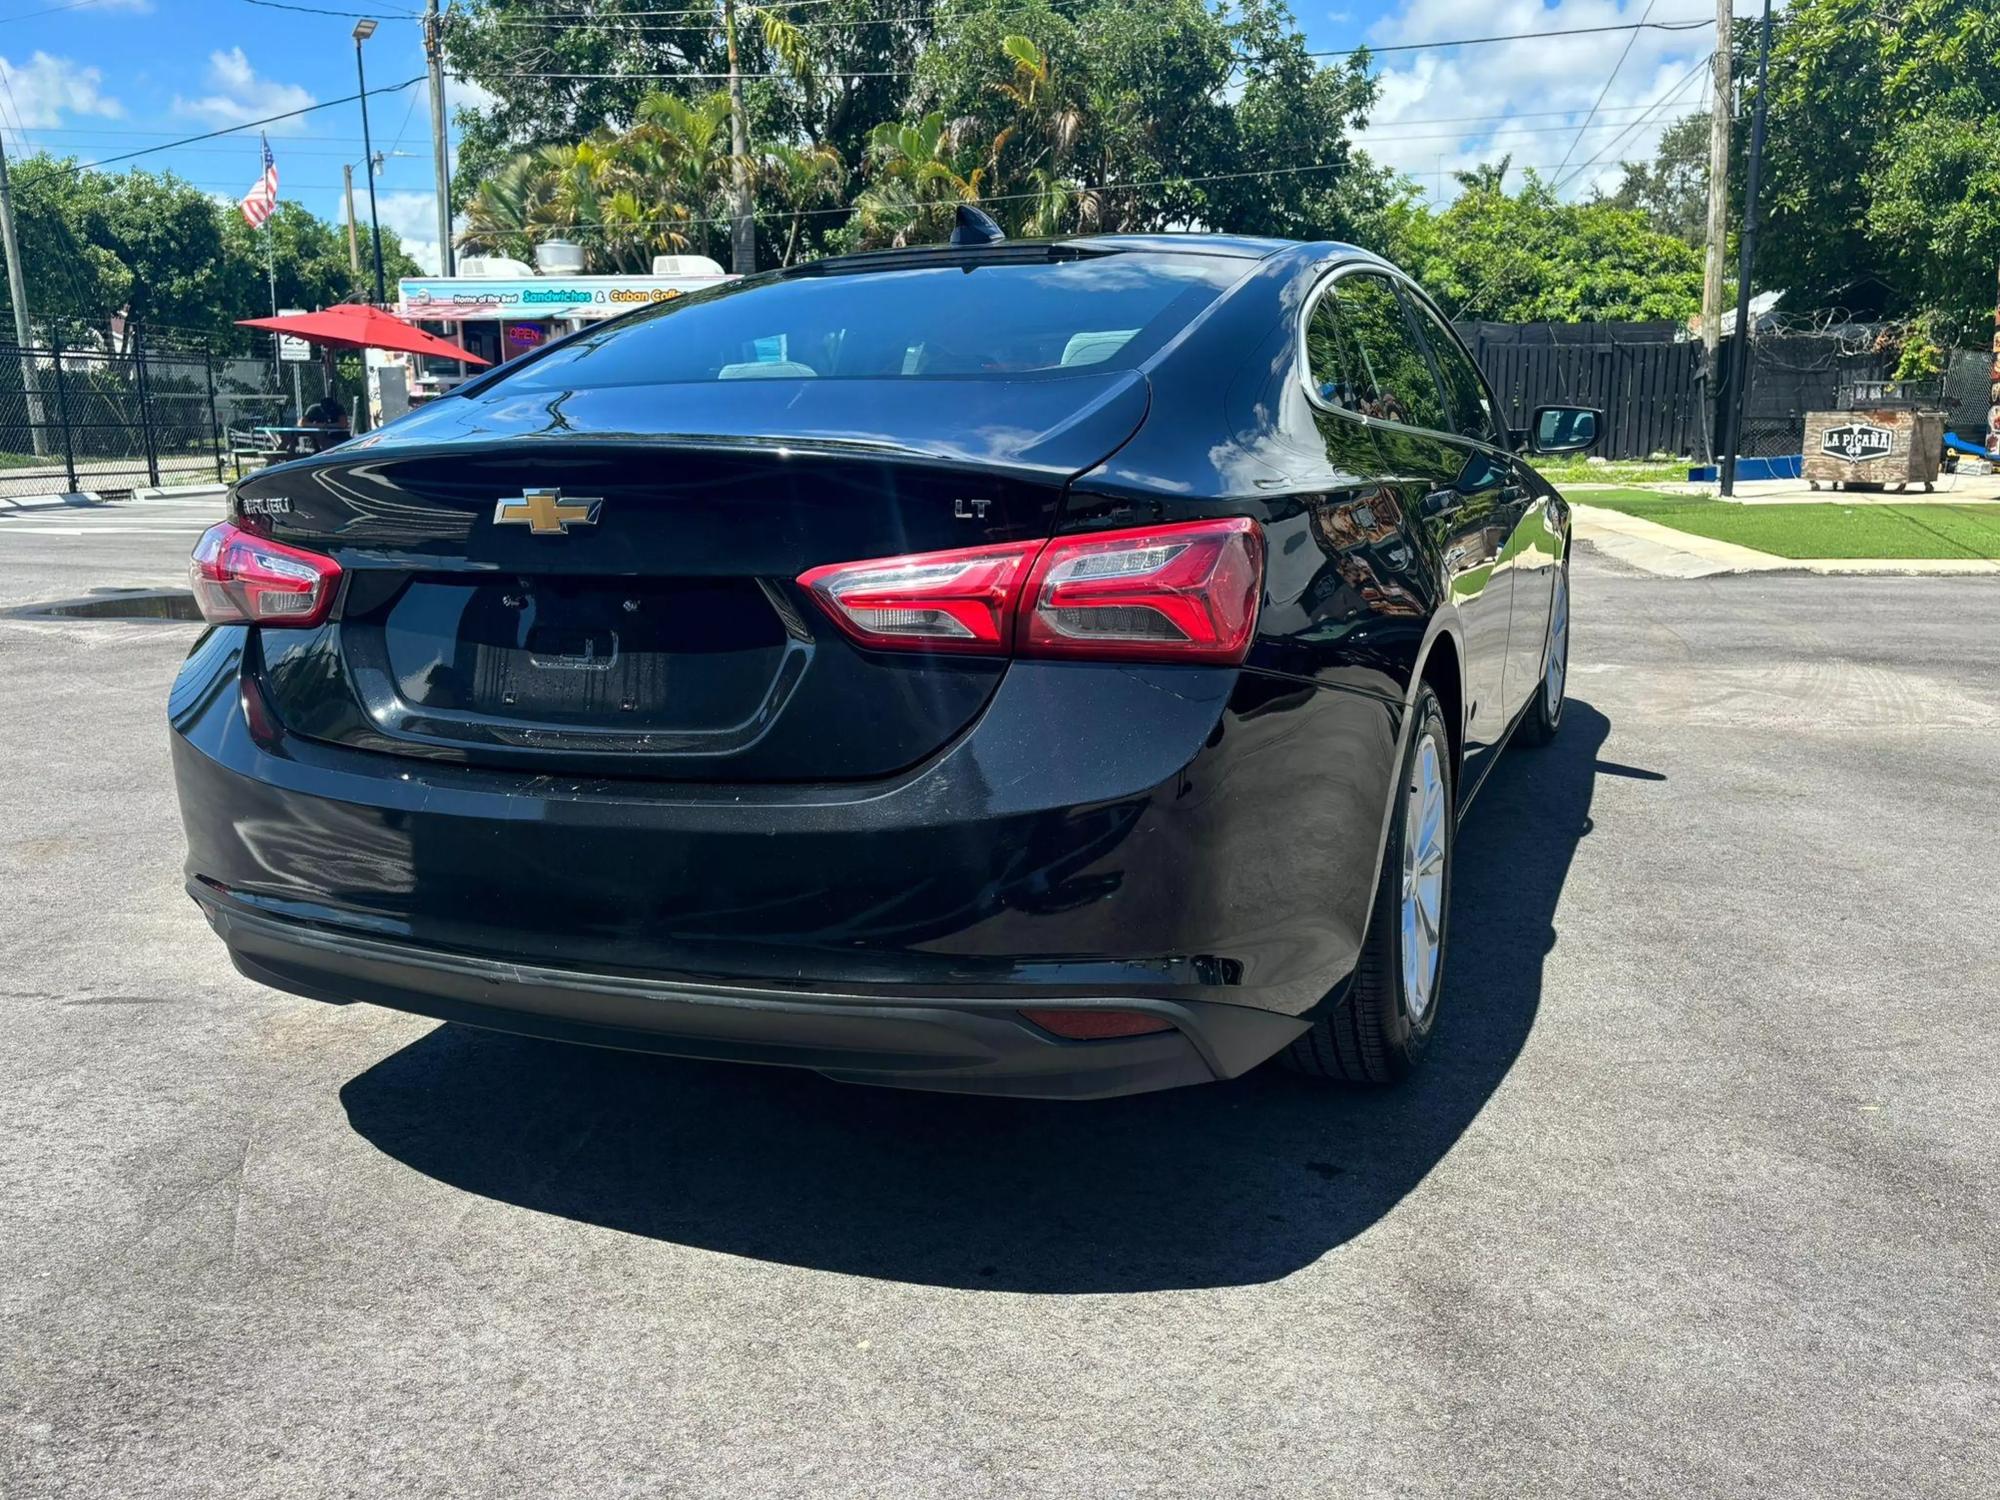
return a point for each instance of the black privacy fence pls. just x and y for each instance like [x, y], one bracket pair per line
[1647, 379]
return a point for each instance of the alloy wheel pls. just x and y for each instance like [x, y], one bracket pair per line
[1556, 676]
[1424, 835]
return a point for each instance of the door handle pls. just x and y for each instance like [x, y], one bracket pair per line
[1439, 503]
[1511, 495]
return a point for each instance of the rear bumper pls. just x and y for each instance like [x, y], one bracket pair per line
[936, 1043]
[1201, 843]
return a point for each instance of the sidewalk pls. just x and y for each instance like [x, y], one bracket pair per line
[85, 500]
[1667, 553]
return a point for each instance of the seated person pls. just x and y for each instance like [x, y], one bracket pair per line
[324, 412]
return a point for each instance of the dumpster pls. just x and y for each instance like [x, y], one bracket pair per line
[1878, 439]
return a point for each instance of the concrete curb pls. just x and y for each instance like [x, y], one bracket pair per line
[1667, 553]
[90, 499]
[50, 502]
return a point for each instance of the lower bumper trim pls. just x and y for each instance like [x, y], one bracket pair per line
[926, 1042]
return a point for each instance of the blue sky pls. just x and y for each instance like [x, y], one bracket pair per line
[102, 77]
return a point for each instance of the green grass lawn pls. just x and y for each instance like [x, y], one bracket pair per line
[1819, 529]
[19, 460]
[1575, 468]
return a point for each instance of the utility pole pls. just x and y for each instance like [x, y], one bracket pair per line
[17, 289]
[440, 154]
[1718, 214]
[1740, 350]
[743, 223]
[353, 232]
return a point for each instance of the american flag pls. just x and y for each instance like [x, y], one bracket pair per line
[262, 200]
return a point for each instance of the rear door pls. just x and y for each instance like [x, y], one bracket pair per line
[1529, 556]
[1376, 368]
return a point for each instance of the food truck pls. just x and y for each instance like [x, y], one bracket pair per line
[499, 309]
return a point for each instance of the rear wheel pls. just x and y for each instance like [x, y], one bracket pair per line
[1544, 716]
[1381, 1030]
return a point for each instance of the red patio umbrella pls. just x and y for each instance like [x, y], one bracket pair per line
[357, 326]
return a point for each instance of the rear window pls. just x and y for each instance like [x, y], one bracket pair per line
[950, 321]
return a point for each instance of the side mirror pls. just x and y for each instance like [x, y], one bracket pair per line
[1564, 429]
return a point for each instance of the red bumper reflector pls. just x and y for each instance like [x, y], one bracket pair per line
[1097, 1025]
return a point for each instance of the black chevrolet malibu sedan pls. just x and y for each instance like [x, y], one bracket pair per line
[1025, 668]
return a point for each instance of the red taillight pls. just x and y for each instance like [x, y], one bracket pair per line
[1181, 592]
[1097, 1025]
[1173, 593]
[243, 579]
[939, 601]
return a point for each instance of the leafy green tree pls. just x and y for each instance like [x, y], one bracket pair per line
[1298, 115]
[120, 256]
[1526, 256]
[1672, 189]
[1879, 165]
[311, 259]
[1086, 113]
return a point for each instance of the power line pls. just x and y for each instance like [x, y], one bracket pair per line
[49, 10]
[355, 140]
[711, 11]
[785, 215]
[1616, 68]
[1624, 134]
[620, 21]
[1470, 41]
[290, 114]
[317, 10]
[1473, 298]
[1516, 36]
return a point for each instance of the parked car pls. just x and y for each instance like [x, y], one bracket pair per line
[1028, 668]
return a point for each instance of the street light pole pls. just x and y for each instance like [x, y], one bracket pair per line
[364, 29]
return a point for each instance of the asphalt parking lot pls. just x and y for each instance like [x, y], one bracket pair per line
[1701, 1195]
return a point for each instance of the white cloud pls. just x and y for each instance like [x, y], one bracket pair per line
[1541, 90]
[240, 96]
[38, 95]
[464, 93]
[412, 215]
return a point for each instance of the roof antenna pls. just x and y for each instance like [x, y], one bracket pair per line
[975, 227]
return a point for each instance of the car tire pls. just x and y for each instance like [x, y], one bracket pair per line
[1544, 716]
[1379, 1031]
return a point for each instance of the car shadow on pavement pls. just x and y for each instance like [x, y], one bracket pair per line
[1222, 1185]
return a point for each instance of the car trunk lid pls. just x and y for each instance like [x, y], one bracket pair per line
[533, 578]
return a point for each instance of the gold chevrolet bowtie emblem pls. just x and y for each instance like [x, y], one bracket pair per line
[545, 512]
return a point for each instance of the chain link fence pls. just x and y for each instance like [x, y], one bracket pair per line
[96, 420]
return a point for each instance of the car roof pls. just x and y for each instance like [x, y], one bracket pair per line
[1228, 246]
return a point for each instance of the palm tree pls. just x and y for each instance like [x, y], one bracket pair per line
[504, 216]
[1486, 177]
[688, 147]
[1044, 131]
[916, 177]
[800, 178]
